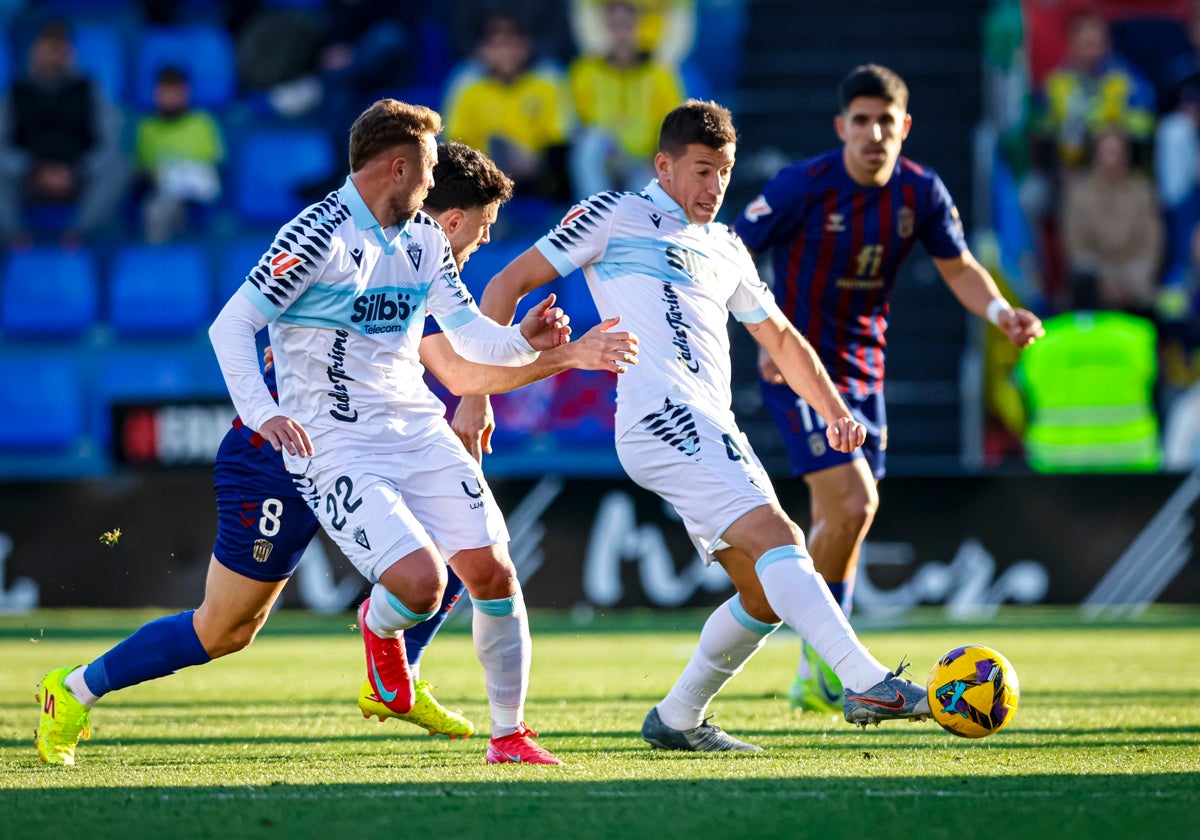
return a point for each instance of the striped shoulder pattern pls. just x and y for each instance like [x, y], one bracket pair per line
[299, 250]
[584, 218]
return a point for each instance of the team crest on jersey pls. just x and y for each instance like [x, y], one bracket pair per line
[283, 262]
[414, 256]
[573, 214]
[261, 550]
[816, 444]
[360, 537]
[835, 223]
[757, 209]
[905, 221]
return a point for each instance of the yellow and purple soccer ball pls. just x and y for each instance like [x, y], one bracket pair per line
[973, 691]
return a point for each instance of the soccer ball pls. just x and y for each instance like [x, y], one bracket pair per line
[973, 691]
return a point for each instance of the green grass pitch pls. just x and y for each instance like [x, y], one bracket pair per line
[270, 743]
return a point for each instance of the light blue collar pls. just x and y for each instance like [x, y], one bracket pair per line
[365, 220]
[669, 205]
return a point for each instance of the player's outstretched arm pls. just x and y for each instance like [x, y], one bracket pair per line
[802, 370]
[527, 272]
[600, 348]
[977, 292]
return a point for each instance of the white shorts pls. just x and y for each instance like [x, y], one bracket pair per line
[379, 507]
[709, 474]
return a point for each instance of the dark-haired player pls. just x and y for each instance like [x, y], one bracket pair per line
[839, 226]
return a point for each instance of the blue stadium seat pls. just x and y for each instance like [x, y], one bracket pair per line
[7, 69]
[102, 55]
[48, 293]
[272, 164]
[203, 51]
[49, 413]
[159, 290]
[235, 258]
[157, 372]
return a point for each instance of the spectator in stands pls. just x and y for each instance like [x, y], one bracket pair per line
[665, 28]
[545, 23]
[516, 114]
[620, 99]
[1113, 232]
[177, 151]
[59, 143]
[1091, 90]
[1094, 88]
[363, 46]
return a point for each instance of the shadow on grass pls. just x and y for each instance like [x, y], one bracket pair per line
[529, 802]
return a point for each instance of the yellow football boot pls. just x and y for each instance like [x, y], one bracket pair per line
[426, 713]
[64, 719]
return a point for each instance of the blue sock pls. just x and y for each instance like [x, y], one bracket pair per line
[841, 593]
[418, 637]
[155, 650]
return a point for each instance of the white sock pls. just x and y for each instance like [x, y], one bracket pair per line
[501, 632]
[799, 596]
[387, 615]
[729, 638]
[78, 686]
[803, 669]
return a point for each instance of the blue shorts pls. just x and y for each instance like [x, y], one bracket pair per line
[803, 430]
[263, 524]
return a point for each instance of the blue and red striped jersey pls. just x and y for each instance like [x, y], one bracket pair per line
[838, 246]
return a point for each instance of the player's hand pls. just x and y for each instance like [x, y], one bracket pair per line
[1021, 326]
[268, 358]
[546, 325]
[845, 434]
[600, 349]
[473, 423]
[285, 433]
[767, 368]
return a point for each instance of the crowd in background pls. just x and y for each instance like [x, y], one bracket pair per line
[1099, 150]
[567, 98]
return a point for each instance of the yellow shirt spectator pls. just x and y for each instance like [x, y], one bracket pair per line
[629, 102]
[528, 112]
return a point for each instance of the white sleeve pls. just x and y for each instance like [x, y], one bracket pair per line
[232, 335]
[485, 342]
[751, 302]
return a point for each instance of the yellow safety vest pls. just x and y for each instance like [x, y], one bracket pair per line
[1089, 385]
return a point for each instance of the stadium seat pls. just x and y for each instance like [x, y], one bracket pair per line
[161, 371]
[6, 63]
[49, 413]
[270, 167]
[159, 290]
[203, 51]
[235, 258]
[102, 55]
[48, 293]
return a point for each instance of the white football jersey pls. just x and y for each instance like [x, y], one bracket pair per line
[347, 302]
[674, 284]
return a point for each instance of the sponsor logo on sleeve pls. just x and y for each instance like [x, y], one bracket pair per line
[758, 208]
[283, 262]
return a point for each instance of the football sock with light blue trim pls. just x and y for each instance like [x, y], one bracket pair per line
[500, 628]
[841, 593]
[729, 638]
[387, 615]
[799, 596]
[418, 637]
[155, 649]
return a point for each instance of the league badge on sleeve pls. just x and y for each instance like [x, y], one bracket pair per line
[758, 208]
